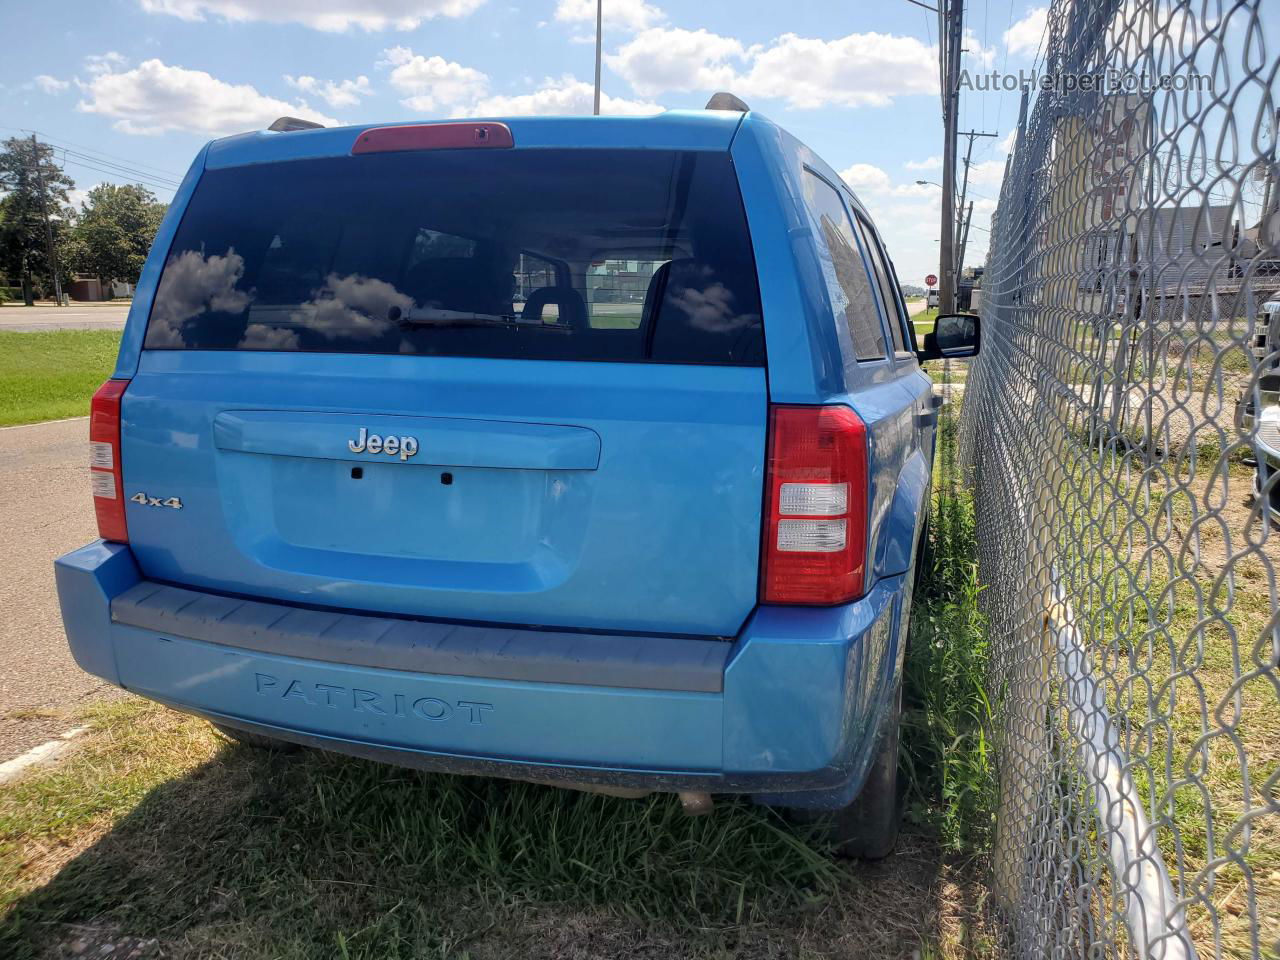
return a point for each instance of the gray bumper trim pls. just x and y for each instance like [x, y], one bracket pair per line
[424, 646]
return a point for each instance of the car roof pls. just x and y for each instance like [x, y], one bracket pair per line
[672, 130]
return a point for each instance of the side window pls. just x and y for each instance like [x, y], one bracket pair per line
[616, 290]
[913, 346]
[846, 274]
[888, 289]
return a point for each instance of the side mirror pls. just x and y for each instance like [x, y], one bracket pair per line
[954, 337]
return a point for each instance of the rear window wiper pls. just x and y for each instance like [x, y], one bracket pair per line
[420, 317]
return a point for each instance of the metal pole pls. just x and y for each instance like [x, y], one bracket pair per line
[1156, 919]
[964, 238]
[964, 190]
[599, 37]
[947, 266]
[48, 228]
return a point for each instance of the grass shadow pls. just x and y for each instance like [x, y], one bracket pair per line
[252, 854]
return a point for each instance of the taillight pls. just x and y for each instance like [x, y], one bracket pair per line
[815, 547]
[105, 474]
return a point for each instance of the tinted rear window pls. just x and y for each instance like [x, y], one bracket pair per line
[546, 254]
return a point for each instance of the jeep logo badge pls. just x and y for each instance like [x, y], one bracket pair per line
[368, 442]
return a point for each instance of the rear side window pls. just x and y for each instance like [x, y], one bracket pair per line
[621, 255]
[847, 281]
[888, 289]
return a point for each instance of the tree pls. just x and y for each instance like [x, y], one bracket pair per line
[32, 183]
[114, 232]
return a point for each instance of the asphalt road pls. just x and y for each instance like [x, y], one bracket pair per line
[78, 316]
[45, 510]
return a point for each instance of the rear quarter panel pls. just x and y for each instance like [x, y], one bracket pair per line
[808, 365]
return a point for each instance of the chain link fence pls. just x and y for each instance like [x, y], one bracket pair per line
[1122, 433]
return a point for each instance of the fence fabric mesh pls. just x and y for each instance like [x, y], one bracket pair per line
[1121, 429]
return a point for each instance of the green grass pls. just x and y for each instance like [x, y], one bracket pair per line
[155, 827]
[947, 734]
[925, 321]
[48, 376]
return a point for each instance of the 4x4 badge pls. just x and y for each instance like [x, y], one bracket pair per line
[149, 501]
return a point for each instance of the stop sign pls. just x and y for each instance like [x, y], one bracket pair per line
[930, 280]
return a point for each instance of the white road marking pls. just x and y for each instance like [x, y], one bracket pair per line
[41, 423]
[45, 753]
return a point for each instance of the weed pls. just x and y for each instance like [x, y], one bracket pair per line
[946, 735]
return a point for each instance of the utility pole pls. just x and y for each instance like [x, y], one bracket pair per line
[964, 188]
[964, 239]
[951, 15]
[962, 224]
[599, 37]
[48, 228]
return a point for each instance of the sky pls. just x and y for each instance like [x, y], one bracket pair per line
[129, 90]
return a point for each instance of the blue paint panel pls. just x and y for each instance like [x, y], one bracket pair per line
[826, 663]
[498, 444]
[87, 579]
[673, 130]
[662, 535]
[540, 723]
[801, 690]
[805, 365]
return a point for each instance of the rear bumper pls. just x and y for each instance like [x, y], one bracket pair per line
[792, 708]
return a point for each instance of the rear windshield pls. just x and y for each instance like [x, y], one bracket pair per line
[623, 255]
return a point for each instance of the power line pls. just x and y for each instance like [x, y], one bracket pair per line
[1004, 67]
[62, 142]
[116, 173]
[106, 166]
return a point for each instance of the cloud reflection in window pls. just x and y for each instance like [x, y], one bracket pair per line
[193, 284]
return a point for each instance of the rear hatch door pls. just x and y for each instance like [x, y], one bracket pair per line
[493, 385]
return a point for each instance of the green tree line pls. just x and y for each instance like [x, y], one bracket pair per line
[107, 237]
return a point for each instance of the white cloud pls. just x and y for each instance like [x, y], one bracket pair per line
[334, 16]
[974, 50]
[929, 163]
[428, 83]
[47, 84]
[861, 69]
[105, 62]
[663, 59]
[865, 177]
[155, 97]
[562, 97]
[622, 14]
[1006, 145]
[989, 173]
[77, 197]
[336, 93]
[1024, 36]
[908, 215]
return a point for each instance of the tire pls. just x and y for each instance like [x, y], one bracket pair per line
[868, 827]
[256, 740]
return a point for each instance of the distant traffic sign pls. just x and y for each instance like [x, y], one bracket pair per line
[930, 280]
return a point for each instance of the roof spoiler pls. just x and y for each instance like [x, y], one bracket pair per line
[289, 124]
[726, 101]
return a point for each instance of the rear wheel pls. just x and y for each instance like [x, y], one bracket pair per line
[256, 740]
[868, 827]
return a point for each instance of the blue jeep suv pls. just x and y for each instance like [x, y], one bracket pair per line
[590, 451]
